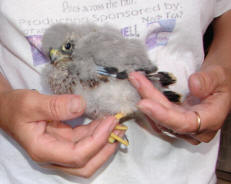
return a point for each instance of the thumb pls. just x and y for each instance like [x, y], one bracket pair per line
[206, 81]
[30, 106]
[33, 106]
[61, 107]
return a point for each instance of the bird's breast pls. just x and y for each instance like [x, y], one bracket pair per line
[109, 97]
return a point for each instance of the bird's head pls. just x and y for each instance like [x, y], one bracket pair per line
[62, 42]
[63, 53]
[58, 43]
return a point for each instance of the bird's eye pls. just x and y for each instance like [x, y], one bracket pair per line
[67, 46]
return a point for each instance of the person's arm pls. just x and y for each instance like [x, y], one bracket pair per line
[4, 85]
[26, 115]
[212, 84]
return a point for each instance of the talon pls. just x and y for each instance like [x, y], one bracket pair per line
[119, 116]
[114, 137]
[111, 140]
[121, 127]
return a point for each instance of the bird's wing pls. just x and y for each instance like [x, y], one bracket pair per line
[112, 72]
[165, 78]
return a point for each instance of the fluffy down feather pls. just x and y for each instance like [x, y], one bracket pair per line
[94, 62]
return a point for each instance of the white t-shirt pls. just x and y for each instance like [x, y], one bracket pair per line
[173, 31]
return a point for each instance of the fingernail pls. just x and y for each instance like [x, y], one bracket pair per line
[134, 81]
[76, 105]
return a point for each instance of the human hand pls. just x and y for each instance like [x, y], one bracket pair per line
[211, 85]
[78, 151]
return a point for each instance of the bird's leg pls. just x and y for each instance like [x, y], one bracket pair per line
[120, 116]
[113, 137]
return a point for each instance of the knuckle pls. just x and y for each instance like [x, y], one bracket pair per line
[54, 107]
[215, 77]
[186, 129]
[88, 172]
[35, 158]
[220, 72]
[34, 153]
[80, 161]
[205, 80]
[190, 125]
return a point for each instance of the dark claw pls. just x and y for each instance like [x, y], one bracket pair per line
[172, 96]
[165, 78]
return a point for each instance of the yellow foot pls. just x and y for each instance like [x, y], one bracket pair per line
[114, 137]
[121, 127]
[118, 116]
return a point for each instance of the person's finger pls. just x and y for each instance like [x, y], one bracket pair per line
[35, 106]
[92, 166]
[205, 136]
[205, 82]
[46, 148]
[146, 88]
[212, 111]
[61, 130]
[189, 139]
[180, 121]
[168, 132]
[92, 144]
[61, 107]
[96, 162]
[154, 125]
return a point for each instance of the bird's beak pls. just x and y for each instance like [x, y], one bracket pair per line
[54, 55]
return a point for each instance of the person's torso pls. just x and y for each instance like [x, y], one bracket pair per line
[173, 31]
